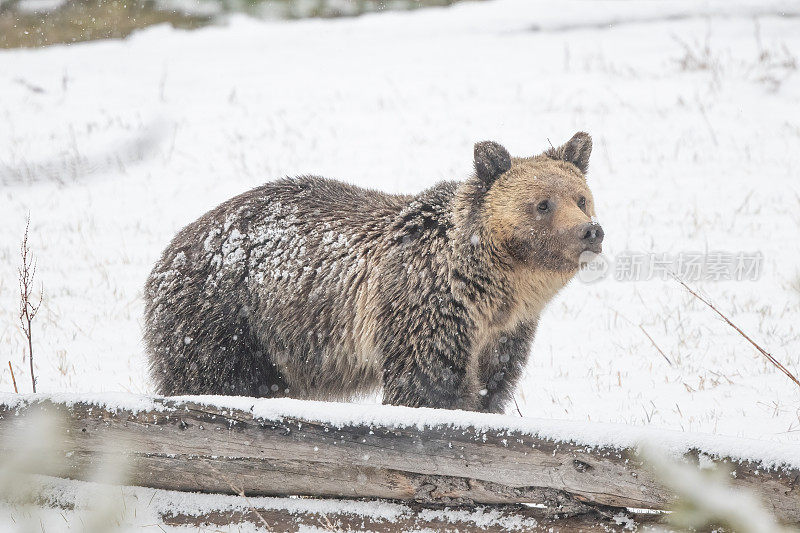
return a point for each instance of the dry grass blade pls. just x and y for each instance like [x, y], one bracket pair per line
[769, 356]
[516, 405]
[655, 345]
[652, 341]
[240, 492]
[13, 379]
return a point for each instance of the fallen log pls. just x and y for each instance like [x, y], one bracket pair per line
[288, 447]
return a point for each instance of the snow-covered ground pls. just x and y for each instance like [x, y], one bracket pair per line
[112, 146]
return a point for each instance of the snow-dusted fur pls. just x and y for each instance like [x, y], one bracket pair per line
[312, 288]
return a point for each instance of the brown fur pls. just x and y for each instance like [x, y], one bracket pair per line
[311, 288]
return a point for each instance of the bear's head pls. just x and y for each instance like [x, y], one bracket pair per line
[538, 211]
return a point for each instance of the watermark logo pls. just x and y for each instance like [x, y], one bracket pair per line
[592, 267]
[690, 266]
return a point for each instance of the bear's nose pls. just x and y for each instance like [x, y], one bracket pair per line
[592, 233]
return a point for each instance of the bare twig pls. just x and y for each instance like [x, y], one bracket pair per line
[769, 357]
[27, 310]
[13, 379]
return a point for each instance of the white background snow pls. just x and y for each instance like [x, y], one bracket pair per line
[687, 157]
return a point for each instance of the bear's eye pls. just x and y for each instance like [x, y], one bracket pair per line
[543, 206]
[582, 202]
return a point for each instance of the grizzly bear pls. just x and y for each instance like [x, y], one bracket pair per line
[312, 288]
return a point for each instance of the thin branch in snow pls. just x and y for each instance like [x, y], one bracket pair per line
[28, 310]
[769, 356]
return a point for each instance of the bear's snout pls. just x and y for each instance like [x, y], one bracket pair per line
[591, 235]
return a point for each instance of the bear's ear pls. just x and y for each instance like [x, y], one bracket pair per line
[576, 151]
[491, 160]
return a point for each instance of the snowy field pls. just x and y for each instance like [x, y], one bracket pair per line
[113, 146]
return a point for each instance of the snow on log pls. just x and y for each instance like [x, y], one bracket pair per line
[291, 447]
[415, 517]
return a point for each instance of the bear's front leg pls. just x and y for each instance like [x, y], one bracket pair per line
[427, 365]
[501, 365]
[430, 381]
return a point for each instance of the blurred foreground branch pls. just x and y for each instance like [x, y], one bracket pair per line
[706, 500]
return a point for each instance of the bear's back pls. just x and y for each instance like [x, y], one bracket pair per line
[310, 228]
[327, 199]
